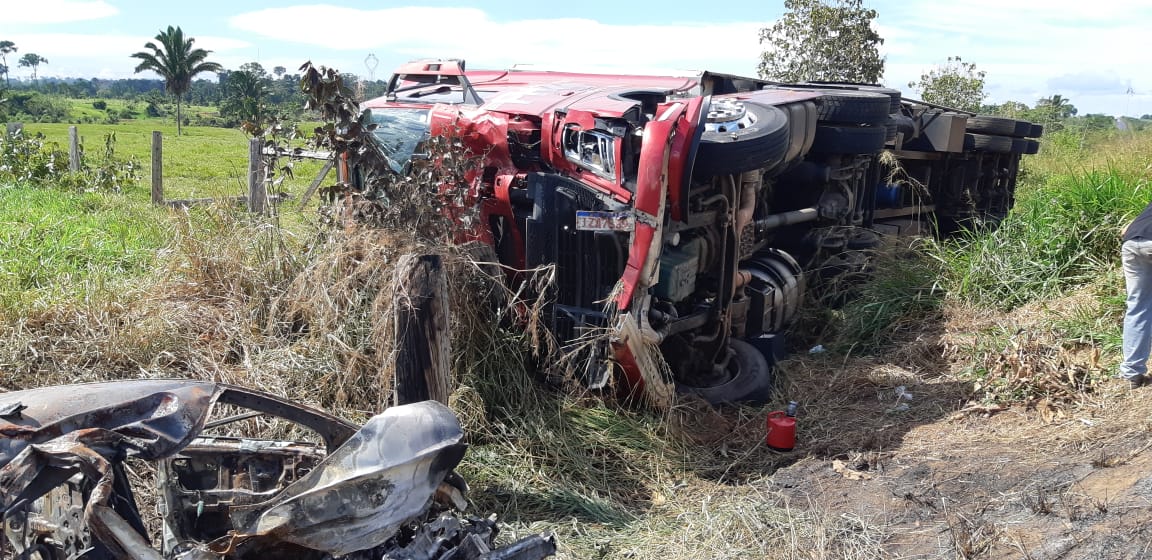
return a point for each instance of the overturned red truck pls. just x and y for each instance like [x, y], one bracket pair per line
[683, 213]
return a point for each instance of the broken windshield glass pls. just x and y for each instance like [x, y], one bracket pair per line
[398, 134]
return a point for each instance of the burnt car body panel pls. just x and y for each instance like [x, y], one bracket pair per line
[64, 493]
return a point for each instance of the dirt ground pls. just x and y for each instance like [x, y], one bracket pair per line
[948, 479]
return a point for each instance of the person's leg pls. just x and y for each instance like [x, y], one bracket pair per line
[1136, 257]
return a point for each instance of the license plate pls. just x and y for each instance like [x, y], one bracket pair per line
[588, 220]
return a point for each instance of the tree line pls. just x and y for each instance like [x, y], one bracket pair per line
[245, 97]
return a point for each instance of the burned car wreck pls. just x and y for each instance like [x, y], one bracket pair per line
[385, 490]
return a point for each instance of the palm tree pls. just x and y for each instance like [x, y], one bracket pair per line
[1057, 107]
[6, 48]
[33, 61]
[177, 62]
[245, 94]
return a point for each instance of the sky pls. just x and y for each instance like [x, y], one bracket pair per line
[1093, 53]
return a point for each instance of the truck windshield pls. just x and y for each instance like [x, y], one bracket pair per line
[398, 134]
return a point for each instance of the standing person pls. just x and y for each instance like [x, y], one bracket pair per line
[1136, 255]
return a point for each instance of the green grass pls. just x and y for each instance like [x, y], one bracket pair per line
[206, 162]
[79, 108]
[1061, 234]
[58, 247]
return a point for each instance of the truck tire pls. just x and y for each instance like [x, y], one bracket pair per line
[1019, 145]
[854, 107]
[1022, 129]
[1037, 131]
[840, 139]
[760, 145]
[891, 129]
[894, 95]
[751, 380]
[988, 143]
[1032, 147]
[991, 125]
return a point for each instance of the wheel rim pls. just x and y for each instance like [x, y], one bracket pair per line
[728, 115]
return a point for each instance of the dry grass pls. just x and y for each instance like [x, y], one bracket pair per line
[242, 301]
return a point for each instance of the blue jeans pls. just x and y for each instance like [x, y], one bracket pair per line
[1136, 255]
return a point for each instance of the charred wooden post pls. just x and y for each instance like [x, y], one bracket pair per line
[423, 346]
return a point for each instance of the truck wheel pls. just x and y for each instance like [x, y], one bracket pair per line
[1023, 128]
[992, 125]
[987, 143]
[849, 139]
[751, 379]
[893, 94]
[1032, 147]
[741, 136]
[1037, 131]
[854, 107]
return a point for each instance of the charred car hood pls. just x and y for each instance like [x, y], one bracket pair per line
[150, 419]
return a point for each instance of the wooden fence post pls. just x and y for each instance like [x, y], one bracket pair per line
[73, 149]
[14, 128]
[257, 192]
[423, 353]
[157, 168]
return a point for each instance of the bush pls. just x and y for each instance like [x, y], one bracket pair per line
[100, 105]
[44, 108]
[30, 160]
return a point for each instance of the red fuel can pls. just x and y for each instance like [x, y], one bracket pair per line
[781, 431]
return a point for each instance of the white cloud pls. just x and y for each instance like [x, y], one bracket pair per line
[470, 33]
[73, 45]
[56, 11]
[1028, 48]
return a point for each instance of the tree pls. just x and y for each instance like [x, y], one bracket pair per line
[177, 62]
[1010, 109]
[245, 97]
[279, 71]
[829, 40]
[33, 61]
[6, 48]
[957, 84]
[1055, 108]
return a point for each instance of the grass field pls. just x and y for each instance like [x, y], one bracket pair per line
[105, 286]
[61, 247]
[206, 162]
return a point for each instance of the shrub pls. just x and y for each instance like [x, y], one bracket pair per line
[30, 160]
[100, 105]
